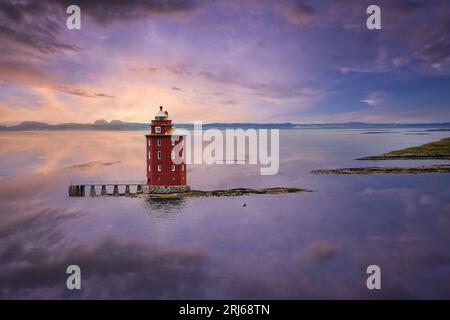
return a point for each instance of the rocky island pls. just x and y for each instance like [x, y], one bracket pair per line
[439, 150]
[236, 192]
[433, 150]
[386, 170]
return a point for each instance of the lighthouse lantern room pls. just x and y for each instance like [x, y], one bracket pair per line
[165, 164]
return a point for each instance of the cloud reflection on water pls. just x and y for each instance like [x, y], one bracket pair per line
[314, 245]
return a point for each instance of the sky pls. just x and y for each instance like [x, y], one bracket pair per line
[224, 61]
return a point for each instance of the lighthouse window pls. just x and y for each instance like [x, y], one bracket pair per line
[172, 154]
[159, 142]
[159, 167]
[173, 142]
[149, 155]
[173, 167]
[149, 168]
[158, 129]
[149, 142]
[159, 154]
[182, 167]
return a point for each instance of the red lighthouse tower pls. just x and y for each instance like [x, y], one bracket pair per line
[166, 170]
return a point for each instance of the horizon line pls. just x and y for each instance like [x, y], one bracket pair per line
[118, 122]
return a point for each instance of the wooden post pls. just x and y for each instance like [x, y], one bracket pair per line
[71, 191]
[92, 191]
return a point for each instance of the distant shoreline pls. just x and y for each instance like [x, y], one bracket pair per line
[116, 125]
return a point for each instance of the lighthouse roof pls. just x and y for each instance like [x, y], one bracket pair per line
[161, 114]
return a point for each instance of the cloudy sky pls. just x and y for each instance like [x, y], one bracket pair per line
[224, 61]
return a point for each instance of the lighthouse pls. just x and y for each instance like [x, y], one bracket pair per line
[166, 170]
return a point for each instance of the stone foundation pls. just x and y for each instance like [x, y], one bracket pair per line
[166, 189]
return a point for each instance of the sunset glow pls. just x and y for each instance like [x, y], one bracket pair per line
[224, 61]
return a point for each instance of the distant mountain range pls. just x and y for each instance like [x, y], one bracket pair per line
[134, 126]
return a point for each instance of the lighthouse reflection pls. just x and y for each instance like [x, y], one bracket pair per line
[164, 208]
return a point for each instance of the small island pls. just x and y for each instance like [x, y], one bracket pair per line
[433, 150]
[386, 170]
[235, 192]
[438, 150]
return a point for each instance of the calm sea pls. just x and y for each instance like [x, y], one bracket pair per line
[305, 245]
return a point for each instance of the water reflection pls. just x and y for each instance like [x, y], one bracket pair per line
[165, 208]
[310, 245]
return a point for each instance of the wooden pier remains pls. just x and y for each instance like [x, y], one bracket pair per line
[110, 188]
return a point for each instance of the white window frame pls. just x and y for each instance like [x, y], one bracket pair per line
[159, 155]
[173, 142]
[173, 167]
[172, 155]
[149, 154]
[159, 167]
[182, 167]
[149, 168]
[149, 142]
[158, 142]
[158, 129]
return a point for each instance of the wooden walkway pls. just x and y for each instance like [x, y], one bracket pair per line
[106, 188]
